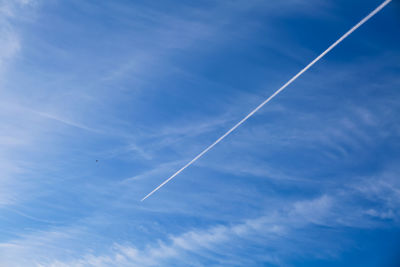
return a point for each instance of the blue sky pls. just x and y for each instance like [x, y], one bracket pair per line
[144, 86]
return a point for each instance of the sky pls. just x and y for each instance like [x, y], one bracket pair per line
[101, 101]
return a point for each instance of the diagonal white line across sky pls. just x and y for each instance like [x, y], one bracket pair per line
[373, 13]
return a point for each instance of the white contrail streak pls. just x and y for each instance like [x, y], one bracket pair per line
[379, 8]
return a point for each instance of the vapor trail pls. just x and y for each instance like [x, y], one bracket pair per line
[379, 8]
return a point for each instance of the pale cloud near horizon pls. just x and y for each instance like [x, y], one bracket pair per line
[276, 230]
[274, 227]
[279, 228]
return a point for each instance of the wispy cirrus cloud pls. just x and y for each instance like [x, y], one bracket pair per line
[11, 137]
[274, 228]
[9, 39]
[279, 232]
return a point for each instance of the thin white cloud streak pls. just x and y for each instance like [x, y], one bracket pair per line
[47, 115]
[369, 16]
[31, 217]
[63, 121]
[153, 172]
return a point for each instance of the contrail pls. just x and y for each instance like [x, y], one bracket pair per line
[379, 8]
